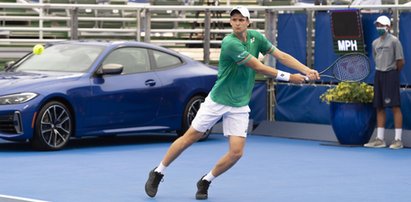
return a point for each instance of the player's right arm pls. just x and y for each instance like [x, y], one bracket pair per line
[259, 67]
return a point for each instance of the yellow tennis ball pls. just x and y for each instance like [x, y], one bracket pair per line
[38, 49]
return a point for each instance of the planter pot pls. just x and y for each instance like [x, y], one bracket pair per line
[353, 123]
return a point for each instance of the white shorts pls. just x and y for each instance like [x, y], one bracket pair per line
[235, 119]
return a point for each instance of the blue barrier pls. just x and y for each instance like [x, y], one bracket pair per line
[301, 103]
[297, 103]
[292, 37]
[258, 103]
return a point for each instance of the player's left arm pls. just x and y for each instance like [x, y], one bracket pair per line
[289, 61]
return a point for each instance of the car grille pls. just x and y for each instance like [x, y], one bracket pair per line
[11, 123]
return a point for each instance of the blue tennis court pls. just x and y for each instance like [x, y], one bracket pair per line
[272, 169]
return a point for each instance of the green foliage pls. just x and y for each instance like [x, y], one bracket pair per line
[2, 63]
[349, 92]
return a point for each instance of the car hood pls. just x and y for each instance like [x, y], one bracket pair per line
[11, 81]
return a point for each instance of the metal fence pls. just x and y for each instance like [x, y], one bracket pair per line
[178, 27]
[172, 26]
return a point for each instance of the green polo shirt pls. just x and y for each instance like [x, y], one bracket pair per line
[235, 81]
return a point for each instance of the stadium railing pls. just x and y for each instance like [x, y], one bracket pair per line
[23, 25]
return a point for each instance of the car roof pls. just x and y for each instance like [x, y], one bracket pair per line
[106, 43]
[115, 44]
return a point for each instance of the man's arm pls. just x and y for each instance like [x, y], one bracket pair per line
[289, 61]
[400, 64]
[259, 67]
[399, 54]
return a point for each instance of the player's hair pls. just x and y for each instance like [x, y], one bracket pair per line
[235, 12]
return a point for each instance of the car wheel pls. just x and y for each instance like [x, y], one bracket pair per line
[190, 112]
[53, 128]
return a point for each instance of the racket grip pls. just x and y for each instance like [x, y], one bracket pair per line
[306, 78]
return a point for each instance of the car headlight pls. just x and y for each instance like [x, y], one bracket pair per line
[16, 98]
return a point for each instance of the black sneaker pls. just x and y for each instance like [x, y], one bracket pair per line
[153, 180]
[202, 189]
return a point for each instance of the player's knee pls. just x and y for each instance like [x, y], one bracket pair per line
[183, 142]
[236, 154]
[191, 136]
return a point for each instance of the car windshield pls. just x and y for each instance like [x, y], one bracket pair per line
[62, 57]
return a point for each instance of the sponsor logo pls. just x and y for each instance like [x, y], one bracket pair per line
[387, 100]
[243, 54]
[347, 45]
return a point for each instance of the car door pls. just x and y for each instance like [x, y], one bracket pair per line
[175, 80]
[122, 102]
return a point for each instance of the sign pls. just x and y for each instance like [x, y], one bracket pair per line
[347, 32]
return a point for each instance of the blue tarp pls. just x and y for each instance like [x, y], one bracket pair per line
[292, 37]
[258, 104]
[405, 38]
[324, 54]
[301, 103]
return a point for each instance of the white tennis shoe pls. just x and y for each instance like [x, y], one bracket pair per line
[377, 143]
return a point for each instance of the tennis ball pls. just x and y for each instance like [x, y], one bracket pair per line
[38, 49]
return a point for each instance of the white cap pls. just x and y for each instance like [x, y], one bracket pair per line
[243, 10]
[384, 20]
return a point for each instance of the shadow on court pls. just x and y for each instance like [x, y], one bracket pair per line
[91, 142]
[103, 141]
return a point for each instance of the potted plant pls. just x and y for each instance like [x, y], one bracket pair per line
[353, 118]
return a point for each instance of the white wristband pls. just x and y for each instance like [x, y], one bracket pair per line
[283, 76]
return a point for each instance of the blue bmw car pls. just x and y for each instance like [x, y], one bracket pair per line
[91, 88]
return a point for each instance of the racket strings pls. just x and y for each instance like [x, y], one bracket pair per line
[351, 68]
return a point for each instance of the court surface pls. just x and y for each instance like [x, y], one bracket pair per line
[272, 169]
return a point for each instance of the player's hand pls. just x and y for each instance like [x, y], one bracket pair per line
[298, 78]
[312, 75]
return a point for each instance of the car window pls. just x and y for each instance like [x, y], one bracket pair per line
[62, 57]
[133, 59]
[164, 60]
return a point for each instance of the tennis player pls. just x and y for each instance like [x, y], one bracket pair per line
[389, 60]
[229, 98]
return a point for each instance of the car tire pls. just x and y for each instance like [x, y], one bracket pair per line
[190, 111]
[53, 127]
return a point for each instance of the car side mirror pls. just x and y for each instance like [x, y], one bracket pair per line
[110, 69]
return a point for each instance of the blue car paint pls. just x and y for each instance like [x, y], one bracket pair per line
[111, 104]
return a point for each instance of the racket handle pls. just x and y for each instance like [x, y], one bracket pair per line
[306, 78]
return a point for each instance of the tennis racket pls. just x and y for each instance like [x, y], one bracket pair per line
[351, 67]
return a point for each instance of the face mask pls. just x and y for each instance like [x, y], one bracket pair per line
[381, 30]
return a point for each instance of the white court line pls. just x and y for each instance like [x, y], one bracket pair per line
[5, 198]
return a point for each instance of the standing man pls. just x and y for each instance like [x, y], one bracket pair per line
[229, 98]
[389, 60]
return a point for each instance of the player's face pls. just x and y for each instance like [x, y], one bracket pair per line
[239, 23]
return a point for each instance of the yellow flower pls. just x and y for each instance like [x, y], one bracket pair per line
[350, 92]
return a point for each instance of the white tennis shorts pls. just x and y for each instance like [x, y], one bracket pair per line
[235, 119]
